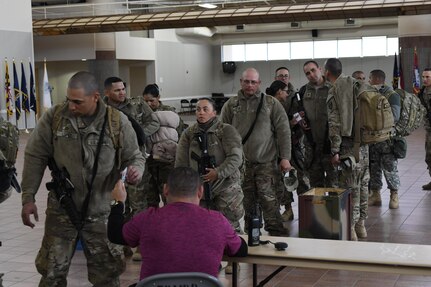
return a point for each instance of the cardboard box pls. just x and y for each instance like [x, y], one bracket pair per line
[325, 213]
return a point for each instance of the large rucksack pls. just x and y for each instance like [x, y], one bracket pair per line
[411, 114]
[374, 113]
[9, 142]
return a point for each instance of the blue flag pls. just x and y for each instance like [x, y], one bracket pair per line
[396, 74]
[24, 92]
[17, 93]
[33, 104]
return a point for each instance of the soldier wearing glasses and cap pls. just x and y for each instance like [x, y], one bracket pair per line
[258, 119]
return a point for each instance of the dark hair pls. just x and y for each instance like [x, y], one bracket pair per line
[281, 68]
[311, 62]
[334, 67]
[379, 75]
[275, 86]
[109, 81]
[427, 70]
[211, 101]
[356, 73]
[84, 80]
[183, 181]
[152, 89]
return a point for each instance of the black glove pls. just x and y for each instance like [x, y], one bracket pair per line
[5, 179]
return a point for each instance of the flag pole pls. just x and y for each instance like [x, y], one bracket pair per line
[23, 88]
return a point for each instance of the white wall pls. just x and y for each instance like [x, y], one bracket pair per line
[414, 25]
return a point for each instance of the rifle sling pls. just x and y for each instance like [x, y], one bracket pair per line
[94, 171]
[255, 120]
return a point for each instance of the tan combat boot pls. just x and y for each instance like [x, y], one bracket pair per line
[393, 201]
[427, 186]
[353, 236]
[361, 232]
[375, 199]
[137, 255]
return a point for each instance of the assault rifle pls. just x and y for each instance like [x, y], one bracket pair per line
[204, 161]
[8, 176]
[63, 189]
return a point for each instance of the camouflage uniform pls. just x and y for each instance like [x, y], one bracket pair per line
[317, 153]
[224, 144]
[262, 150]
[79, 137]
[6, 193]
[158, 170]
[356, 176]
[9, 142]
[427, 99]
[382, 158]
[286, 197]
[142, 113]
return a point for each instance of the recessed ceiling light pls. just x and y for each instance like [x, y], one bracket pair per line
[208, 6]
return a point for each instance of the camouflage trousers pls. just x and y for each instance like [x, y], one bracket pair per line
[229, 202]
[136, 195]
[356, 179]
[159, 172]
[428, 150]
[382, 160]
[105, 260]
[259, 181]
[320, 170]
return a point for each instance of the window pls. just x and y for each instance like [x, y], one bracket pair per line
[325, 49]
[393, 46]
[256, 52]
[374, 46]
[233, 53]
[349, 48]
[301, 50]
[279, 51]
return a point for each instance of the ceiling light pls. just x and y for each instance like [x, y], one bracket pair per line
[208, 6]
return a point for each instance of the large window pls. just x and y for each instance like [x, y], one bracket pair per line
[342, 48]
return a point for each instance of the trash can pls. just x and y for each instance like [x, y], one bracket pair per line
[325, 213]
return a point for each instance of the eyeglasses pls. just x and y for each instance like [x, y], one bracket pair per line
[285, 90]
[283, 76]
[248, 82]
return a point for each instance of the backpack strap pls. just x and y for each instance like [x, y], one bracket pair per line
[114, 125]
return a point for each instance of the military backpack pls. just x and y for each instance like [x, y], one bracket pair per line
[411, 114]
[9, 142]
[373, 117]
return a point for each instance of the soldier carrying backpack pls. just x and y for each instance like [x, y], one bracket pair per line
[383, 159]
[9, 142]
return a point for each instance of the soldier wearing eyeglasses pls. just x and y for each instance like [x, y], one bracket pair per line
[258, 128]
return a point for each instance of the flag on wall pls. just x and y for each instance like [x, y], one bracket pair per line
[396, 74]
[17, 93]
[7, 93]
[401, 74]
[33, 103]
[416, 78]
[46, 101]
[24, 92]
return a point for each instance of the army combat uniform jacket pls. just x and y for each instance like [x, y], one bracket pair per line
[270, 138]
[224, 144]
[73, 146]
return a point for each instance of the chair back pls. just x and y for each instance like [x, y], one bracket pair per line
[197, 279]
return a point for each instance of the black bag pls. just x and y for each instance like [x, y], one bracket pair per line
[399, 146]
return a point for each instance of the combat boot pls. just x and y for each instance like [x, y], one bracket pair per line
[393, 201]
[288, 213]
[229, 268]
[427, 186]
[353, 236]
[375, 199]
[137, 255]
[361, 232]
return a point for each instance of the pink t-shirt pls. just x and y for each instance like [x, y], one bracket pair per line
[181, 237]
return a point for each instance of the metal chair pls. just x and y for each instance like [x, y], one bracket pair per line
[185, 105]
[193, 103]
[180, 279]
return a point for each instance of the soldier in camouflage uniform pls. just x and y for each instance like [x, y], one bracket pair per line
[317, 147]
[382, 158]
[159, 170]
[359, 75]
[286, 197]
[9, 142]
[69, 133]
[353, 163]
[115, 95]
[262, 149]
[425, 95]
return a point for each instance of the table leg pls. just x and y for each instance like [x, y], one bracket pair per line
[234, 274]
[254, 275]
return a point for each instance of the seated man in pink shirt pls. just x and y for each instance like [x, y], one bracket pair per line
[179, 237]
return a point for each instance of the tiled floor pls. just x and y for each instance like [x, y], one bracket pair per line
[409, 224]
